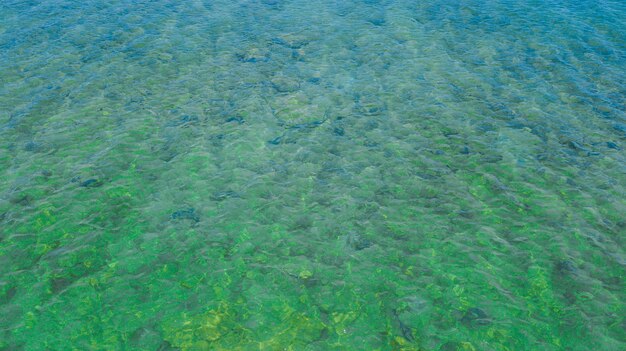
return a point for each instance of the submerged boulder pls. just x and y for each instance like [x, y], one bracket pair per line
[185, 214]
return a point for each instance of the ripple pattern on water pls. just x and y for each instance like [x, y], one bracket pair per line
[312, 175]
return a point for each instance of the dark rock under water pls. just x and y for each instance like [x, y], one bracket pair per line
[186, 214]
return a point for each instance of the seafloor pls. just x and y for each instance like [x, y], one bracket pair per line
[312, 175]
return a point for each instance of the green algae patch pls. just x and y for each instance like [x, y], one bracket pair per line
[219, 330]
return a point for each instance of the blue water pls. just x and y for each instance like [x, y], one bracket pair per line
[312, 175]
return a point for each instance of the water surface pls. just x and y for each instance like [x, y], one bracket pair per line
[312, 175]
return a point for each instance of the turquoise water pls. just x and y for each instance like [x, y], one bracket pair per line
[312, 175]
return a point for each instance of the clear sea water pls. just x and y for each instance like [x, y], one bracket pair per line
[312, 175]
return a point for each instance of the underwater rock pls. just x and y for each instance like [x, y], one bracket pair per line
[449, 132]
[438, 152]
[565, 267]
[291, 41]
[492, 158]
[302, 223]
[475, 316]
[166, 346]
[415, 304]
[540, 131]
[501, 111]
[377, 21]
[297, 55]
[275, 141]
[59, 284]
[273, 4]
[143, 335]
[36, 147]
[253, 55]
[465, 213]
[285, 84]
[574, 145]
[370, 143]
[516, 125]
[370, 109]
[216, 139]
[285, 43]
[22, 199]
[357, 242]
[405, 330]
[313, 124]
[235, 119]
[620, 127]
[223, 195]
[371, 125]
[8, 295]
[297, 108]
[453, 346]
[612, 145]
[183, 121]
[368, 105]
[168, 155]
[330, 170]
[91, 183]
[187, 213]
[485, 127]
[339, 131]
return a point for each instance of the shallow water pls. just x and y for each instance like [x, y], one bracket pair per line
[312, 175]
